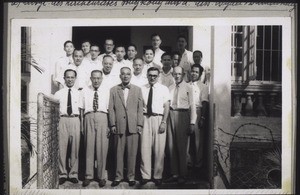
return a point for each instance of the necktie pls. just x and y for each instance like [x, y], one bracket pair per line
[175, 97]
[69, 104]
[95, 101]
[149, 103]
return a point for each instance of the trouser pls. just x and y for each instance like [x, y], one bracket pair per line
[96, 139]
[195, 144]
[152, 141]
[69, 132]
[179, 123]
[126, 142]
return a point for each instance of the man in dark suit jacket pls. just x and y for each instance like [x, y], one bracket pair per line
[126, 122]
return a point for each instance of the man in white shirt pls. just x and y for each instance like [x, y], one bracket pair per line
[156, 42]
[200, 94]
[69, 127]
[197, 57]
[156, 110]
[138, 78]
[131, 53]
[120, 62]
[186, 57]
[86, 47]
[166, 78]
[148, 59]
[95, 61]
[109, 79]
[181, 125]
[95, 100]
[62, 64]
[83, 69]
[109, 48]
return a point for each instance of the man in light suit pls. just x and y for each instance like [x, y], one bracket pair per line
[126, 122]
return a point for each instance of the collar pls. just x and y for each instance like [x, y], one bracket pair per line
[154, 86]
[128, 86]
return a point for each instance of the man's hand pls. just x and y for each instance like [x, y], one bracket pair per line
[139, 129]
[113, 130]
[162, 127]
[107, 132]
[191, 130]
[201, 122]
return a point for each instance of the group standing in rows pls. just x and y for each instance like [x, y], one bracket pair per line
[159, 100]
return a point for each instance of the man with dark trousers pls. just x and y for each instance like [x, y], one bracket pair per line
[126, 122]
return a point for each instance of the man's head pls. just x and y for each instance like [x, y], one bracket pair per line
[107, 64]
[156, 41]
[125, 75]
[197, 57]
[138, 65]
[148, 55]
[196, 72]
[70, 77]
[152, 75]
[178, 74]
[181, 42]
[131, 52]
[86, 46]
[69, 47]
[96, 78]
[166, 59]
[120, 52]
[95, 51]
[77, 56]
[175, 59]
[109, 46]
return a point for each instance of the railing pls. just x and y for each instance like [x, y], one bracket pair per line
[256, 99]
[47, 142]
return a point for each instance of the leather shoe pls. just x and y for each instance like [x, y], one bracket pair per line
[171, 179]
[144, 181]
[73, 180]
[62, 180]
[158, 182]
[115, 183]
[131, 183]
[102, 183]
[86, 182]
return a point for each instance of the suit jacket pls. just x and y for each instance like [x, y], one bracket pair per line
[132, 114]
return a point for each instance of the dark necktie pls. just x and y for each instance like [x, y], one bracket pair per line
[95, 102]
[69, 104]
[149, 103]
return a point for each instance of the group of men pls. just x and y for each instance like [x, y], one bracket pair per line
[159, 100]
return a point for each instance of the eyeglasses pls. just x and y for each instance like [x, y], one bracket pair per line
[152, 75]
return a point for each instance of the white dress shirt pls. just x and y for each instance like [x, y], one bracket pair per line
[110, 80]
[87, 98]
[166, 79]
[157, 57]
[62, 96]
[139, 80]
[160, 96]
[186, 63]
[60, 67]
[118, 65]
[83, 74]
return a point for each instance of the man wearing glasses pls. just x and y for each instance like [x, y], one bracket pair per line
[156, 109]
[109, 48]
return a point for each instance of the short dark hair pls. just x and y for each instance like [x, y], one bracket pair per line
[93, 71]
[175, 53]
[137, 59]
[154, 35]
[70, 70]
[95, 45]
[201, 69]
[149, 48]
[77, 50]
[166, 54]
[86, 41]
[68, 41]
[108, 56]
[198, 51]
[132, 45]
[153, 69]
[120, 45]
[109, 38]
[181, 36]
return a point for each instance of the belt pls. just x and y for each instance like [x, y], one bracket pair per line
[179, 109]
[153, 114]
[94, 112]
[69, 116]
